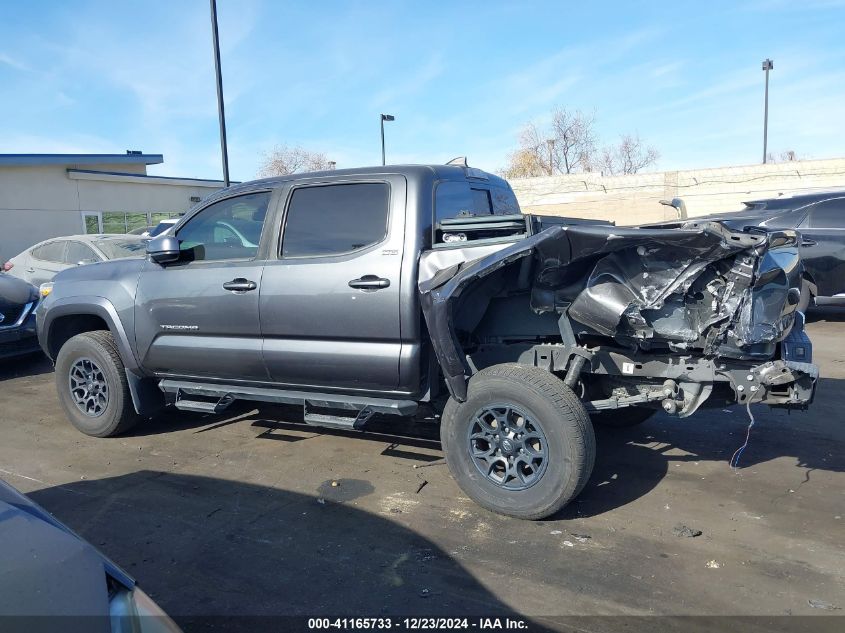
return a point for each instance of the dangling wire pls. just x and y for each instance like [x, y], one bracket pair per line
[734, 463]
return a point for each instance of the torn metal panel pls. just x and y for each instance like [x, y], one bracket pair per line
[700, 289]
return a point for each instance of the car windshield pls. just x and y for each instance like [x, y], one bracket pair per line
[161, 228]
[117, 249]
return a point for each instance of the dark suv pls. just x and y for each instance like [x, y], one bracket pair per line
[383, 290]
[820, 218]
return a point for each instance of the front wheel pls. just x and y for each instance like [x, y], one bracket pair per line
[92, 386]
[522, 444]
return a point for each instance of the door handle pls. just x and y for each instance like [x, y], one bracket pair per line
[30, 270]
[808, 242]
[240, 285]
[370, 282]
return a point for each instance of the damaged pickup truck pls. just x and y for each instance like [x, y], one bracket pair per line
[383, 290]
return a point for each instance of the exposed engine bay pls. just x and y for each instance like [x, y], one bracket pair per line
[627, 316]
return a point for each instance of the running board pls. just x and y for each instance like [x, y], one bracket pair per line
[227, 393]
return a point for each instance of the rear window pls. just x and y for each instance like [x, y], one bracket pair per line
[828, 215]
[118, 249]
[455, 199]
[50, 252]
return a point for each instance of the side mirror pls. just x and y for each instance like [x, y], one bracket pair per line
[163, 249]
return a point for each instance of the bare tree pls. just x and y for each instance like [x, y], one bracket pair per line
[566, 146]
[524, 163]
[629, 156]
[574, 140]
[285, 160]
[788, 156]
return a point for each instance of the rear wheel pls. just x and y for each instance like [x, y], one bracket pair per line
[622, 418]
[522, 444]
[92, 386]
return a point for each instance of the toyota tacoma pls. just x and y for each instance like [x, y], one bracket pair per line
[383, 290]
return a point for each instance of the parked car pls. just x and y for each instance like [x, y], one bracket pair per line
[52, 575]
[381, 290]
[40, 263]
[156, 230]
[820, 218]
[17, 316]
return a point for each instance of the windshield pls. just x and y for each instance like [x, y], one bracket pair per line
[162, 227]
[117, 249]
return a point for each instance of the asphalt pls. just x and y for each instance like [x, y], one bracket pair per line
[239, 514]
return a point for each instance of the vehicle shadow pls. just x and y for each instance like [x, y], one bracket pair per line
[631, 462]
[33, 364]
[229, 555]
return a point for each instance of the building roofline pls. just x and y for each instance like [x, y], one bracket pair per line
[22, 160]
[117, 176]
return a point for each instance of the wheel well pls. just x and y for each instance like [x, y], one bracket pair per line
[66, 327]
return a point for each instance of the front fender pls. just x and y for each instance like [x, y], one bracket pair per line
[49, 311]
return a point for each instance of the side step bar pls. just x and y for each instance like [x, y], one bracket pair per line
[363, 407]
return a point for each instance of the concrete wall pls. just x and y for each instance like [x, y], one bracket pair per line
[635, 199]
[40, 202]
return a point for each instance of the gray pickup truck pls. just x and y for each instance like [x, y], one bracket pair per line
[383, 290]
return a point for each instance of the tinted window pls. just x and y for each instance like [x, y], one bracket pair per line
[460, 199]
[78, 252]
[828, 215]
[335, 219]
[229, 229]
[457, 200]
[50, 252]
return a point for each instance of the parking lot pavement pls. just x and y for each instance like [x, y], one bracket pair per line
[237, 514]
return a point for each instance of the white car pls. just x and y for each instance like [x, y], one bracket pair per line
[40, 263]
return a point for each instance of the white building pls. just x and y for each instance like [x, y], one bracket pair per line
[49, 195]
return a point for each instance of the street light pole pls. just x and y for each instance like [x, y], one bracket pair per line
[768, 65]
[384, 117]
[220, 107]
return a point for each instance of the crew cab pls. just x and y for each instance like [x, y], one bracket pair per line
[382, 290]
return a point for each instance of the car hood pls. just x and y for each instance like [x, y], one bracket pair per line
[15, 292]
[113, 269]
[47, 569]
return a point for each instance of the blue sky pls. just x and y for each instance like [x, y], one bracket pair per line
[461, 78]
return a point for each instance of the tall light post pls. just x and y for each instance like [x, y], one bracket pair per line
[220, 108]
[384, 117]
[768, 65]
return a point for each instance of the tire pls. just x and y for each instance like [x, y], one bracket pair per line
[622, 418]
[110, 408]
[542, 401]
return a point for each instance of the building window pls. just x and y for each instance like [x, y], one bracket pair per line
[121, 222]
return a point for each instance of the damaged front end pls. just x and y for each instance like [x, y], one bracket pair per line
[667, 318]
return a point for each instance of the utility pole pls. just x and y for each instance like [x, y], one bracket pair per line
[384, 117]
[768, 65]
[220, 107]
[551, 144]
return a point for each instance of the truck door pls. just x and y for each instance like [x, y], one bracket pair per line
[823, 246]
[199, 316]
[330, 300]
